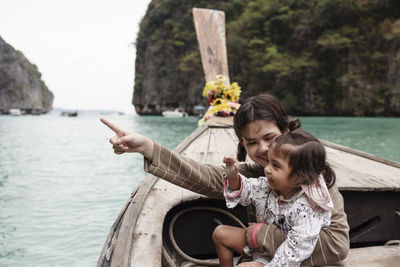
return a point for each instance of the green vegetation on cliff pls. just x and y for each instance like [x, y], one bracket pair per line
[325, 57]
[21, 84]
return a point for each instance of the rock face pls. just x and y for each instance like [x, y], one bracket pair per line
[299, 51]
[168, 71]
[21, 85]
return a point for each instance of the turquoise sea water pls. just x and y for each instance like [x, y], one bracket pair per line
[61, 187]
[378, 136]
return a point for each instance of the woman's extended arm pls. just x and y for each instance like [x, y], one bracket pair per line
[182, 171]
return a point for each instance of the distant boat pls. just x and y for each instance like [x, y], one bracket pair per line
[15, 112]
[174, 113]
[69, 113]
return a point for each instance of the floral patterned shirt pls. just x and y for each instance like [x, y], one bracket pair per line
[299, 222]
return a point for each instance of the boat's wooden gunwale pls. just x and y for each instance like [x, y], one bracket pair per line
[374, 256]
[106, 252]
[190, 138]
[123, 228]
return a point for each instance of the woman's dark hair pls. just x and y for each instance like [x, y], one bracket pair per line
[261, 107]
[305, 155]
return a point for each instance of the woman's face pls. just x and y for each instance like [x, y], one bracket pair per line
[257, 137]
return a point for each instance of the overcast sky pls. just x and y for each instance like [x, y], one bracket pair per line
[83, 48]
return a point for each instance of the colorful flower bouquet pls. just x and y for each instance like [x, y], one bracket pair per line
[222, 101]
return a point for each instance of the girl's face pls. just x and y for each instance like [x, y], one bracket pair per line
[278, 172]
[257, 137]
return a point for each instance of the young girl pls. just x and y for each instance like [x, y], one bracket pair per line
[293, 195]
[256, 123]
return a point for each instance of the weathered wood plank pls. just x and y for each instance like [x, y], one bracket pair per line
[381, 256]
[123, 248]
[149, 225]
[198, 150]
[147, 242]
[221, 144]
[360, 153]
[210, 31]
[358, 173]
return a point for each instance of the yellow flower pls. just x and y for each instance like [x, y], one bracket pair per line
[234, 92]
[208, 89]
[223, 100]
[220, 105]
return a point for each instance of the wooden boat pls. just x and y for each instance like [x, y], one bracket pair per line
[162, 223]
[15, 112]
[165, 225]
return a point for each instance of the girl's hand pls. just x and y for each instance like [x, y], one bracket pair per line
[231, 167]
[250, 264]
[232, 172]
[125, 141]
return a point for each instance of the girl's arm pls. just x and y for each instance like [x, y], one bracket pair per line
[249, 191]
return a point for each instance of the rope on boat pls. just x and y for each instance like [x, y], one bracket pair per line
[183, 254]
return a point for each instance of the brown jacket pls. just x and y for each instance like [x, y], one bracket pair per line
[206, 179]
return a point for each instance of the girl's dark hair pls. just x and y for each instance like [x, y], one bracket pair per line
[261, 107]
[305, 155]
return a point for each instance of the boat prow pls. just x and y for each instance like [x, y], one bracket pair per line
[165, 225]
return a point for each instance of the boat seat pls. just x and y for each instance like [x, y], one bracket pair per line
[367, 256]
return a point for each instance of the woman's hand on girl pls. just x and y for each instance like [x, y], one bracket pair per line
[125, 141]
[249, 232]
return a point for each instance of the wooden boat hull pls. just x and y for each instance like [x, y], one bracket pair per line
[141, 234]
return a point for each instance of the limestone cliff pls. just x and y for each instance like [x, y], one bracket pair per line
[21, 85]
[318, 57]
[168, 72]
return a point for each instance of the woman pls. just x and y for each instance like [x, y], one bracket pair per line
[256, 123]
